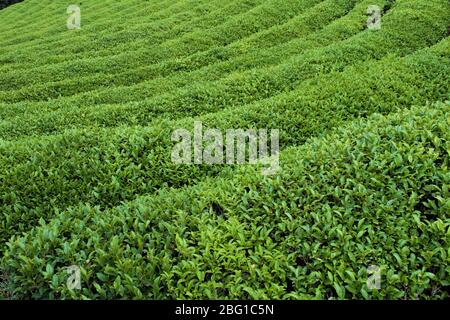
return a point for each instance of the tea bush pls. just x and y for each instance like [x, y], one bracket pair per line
[245, 87]
[109, 166]
[208, 65]
[87, 179]
[373, 193]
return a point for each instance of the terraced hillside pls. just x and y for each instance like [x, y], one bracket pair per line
[88, 180]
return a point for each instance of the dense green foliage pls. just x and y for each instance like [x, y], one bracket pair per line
[87, 179]
[340, 202]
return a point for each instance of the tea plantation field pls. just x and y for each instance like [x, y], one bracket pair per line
[360, 205]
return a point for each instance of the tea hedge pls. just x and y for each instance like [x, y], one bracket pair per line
[242, 23]
[210, 66]
[121, 37]
[239, 88]
[374, 193]
[120, 73]
[106, 167]
[118, 17]
[87, 179]
[338, 30]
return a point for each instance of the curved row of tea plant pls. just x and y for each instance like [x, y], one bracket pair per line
[81, 45]
[108, 166]
[210, 65]
[99, 17]
[49, 78]
[87, 179]
[237, 17]
[238, 88]
[374, 193]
